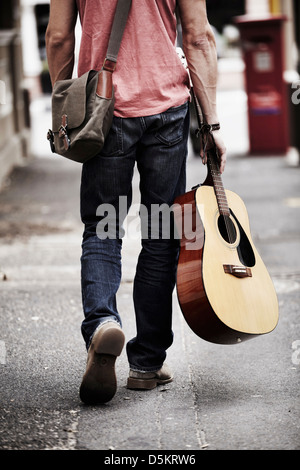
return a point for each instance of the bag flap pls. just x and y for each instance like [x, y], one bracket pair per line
[69, 97]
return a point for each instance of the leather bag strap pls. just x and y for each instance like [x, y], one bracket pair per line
[120, 18]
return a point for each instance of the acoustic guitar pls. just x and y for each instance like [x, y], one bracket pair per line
[224, 290]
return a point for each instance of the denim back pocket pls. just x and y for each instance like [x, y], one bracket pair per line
[171, 131]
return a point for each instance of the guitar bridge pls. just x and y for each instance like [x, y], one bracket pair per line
[237, 271]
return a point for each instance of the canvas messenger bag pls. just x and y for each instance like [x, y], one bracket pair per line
[82, 108]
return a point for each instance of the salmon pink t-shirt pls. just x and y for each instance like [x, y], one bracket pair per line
[149, 76]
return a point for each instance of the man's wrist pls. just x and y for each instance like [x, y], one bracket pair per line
[210, 127]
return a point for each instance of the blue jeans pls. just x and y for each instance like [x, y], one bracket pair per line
[158, 144]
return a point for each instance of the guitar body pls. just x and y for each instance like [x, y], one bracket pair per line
[224, 290]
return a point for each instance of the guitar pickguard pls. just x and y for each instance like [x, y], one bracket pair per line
[244, 249]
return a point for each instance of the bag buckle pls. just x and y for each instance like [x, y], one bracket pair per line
[63, 131]
[109, 65]
[50, 137]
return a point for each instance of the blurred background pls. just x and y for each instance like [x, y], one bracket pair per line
[258, 50]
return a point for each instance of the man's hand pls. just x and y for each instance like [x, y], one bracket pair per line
[200, 51]
[221, 150]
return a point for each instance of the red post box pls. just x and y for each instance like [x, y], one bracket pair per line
[263, 50]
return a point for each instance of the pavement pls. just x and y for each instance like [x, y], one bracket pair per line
[241, 397]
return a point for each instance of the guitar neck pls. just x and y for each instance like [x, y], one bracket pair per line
[214, 175]
[214, 172]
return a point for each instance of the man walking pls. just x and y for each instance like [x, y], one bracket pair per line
[150, 128]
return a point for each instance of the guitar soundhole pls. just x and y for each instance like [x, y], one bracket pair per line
[227, 229]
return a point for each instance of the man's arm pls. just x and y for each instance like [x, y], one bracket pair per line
[200, 50]
[60, 39]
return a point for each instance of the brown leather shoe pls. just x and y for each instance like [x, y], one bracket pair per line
[99, 383]
[149, 380]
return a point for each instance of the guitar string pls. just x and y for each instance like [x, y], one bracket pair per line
[228, 227]
[217, 182]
